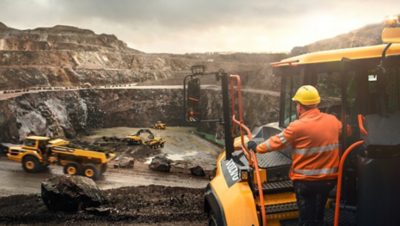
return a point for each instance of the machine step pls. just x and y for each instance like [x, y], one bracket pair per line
[281, 208]
[279, 203]
[276, 187]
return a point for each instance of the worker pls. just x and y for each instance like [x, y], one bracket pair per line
[314, 137]
[192, 115]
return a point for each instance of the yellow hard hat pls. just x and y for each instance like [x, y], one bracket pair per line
[307, 95]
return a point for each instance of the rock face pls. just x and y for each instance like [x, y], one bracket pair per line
[71, 193]
[68, 113]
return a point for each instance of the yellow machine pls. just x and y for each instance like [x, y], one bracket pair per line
[361, 86]
[159, 125]
[145, 137]
[37, 152]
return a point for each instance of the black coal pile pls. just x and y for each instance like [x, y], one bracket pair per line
[143, 205]
[71, 193]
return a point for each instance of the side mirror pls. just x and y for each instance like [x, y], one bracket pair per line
[192, 99]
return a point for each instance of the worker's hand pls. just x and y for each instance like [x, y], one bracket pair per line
[252, 145]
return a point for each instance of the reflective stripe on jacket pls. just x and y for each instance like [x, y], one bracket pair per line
[315, 142]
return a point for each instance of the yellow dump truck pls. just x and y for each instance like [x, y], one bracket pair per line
[37, 152]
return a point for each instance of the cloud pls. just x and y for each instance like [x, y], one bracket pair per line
[202, 25]
[174, 14]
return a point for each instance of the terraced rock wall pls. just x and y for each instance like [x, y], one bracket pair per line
[68, 113]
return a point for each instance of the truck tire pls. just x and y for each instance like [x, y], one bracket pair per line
[72, 168]
[91, 171]
[31, 164]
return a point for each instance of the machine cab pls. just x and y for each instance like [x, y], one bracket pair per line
[350, 81]
[36, 143]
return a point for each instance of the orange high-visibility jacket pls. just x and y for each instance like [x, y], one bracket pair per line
[314, 138]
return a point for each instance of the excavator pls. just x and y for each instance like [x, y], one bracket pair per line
[361, 87]
[159, 125]
[146, 137]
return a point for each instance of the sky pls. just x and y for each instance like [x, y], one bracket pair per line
[186, 26]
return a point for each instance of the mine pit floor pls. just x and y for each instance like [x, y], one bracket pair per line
[181, 143]
[137, 196]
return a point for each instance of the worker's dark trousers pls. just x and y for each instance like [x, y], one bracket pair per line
[311, 199]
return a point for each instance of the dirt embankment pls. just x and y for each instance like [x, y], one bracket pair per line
[143, 205]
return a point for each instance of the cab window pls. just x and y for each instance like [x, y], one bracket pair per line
[328, 85]
[288, 108]
[29, 143]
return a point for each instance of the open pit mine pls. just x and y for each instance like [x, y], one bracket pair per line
[93, 132]
[68, 93]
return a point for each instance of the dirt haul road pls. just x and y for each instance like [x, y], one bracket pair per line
[181, 146]
[8, 94]
[15, 181]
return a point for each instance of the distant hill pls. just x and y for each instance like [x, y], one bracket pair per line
[59, 37]
[69, 56]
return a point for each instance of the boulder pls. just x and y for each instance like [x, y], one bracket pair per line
[71, 193]
[160, 163]
[197, 171]
[125, 162]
